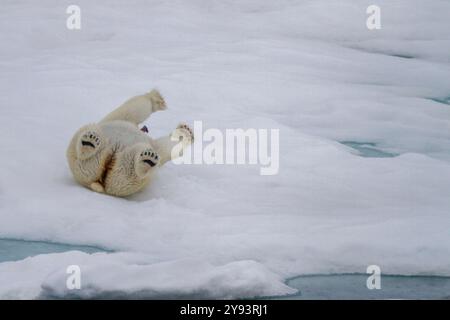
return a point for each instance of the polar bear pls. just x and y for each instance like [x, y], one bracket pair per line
[117, 158]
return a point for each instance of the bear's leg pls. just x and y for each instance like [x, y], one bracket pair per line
[87, 154]
[138, 109]
[89, 142]
[171, 147]
[146, 159]
[131, 170]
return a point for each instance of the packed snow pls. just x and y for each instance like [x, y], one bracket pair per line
[311, 69]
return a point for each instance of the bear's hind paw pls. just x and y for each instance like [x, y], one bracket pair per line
[146, 160]
[149, 157]
[89, 144]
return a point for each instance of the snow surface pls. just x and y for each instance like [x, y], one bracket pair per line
[309, 68]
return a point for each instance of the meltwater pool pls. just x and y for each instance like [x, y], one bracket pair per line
[13, 250]
[353, 286]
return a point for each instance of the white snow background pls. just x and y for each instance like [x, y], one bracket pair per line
[309, 68]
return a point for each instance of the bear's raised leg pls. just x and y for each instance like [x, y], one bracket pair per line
[131, 170]
[145, 160]
[87, 154]
[138, 108]
[172, 146]
[89, 142]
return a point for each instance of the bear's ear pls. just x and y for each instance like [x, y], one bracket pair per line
[90, 141]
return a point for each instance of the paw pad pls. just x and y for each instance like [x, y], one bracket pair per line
[185, 132]
[90, 139]
[149, 157]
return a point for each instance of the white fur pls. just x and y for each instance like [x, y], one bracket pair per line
[114, 156]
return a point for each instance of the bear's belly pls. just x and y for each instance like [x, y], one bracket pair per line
[124, 133]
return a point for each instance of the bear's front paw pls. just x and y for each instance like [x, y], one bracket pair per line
[88, 145]
[147, 159]
[157, 100]
[184, 134]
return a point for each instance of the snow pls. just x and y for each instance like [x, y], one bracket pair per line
[308, 68]
[123, 272]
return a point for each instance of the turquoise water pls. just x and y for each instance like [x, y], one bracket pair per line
[353, 286]
[13, 250]
[332, 286]
[445, 100]
[368, 149]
